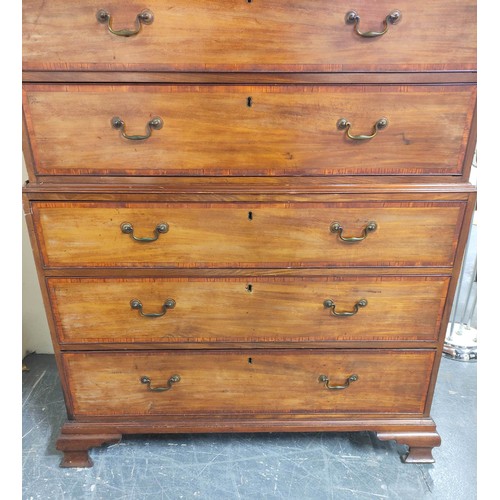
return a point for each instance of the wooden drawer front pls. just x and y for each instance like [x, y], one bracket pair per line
[212, 130]
[248, 234]
[247, 309]
[239, 35]
[254, 381]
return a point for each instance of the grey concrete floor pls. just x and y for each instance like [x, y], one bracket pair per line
[298, 466]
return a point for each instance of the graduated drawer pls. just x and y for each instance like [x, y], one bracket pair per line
[264, 310]
[241, 35]
[254, 381]
[247, 235]
[248, 130]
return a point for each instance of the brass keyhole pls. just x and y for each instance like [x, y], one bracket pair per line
[249, 288]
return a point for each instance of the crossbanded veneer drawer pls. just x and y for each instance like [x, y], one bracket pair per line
[247, 235]
[258, 309]
[248, 130]
[248, 215]
[252, 382]
[239, 35]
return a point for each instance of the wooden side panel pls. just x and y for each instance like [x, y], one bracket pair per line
[212, 130]
[263, 310]
[233, 382]
[248, 235]
[236, 35]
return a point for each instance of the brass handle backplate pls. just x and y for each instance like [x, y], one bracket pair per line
[172, 380]
[324, 379]
[144, 17]
[128, 228]
[344, 124]
[137, 304]
[329, 304]
[155, 123]
[352, 17]
[336, 227]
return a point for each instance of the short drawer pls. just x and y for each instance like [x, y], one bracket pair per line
[246, 235]
[232, 310]
[251, 382]
[248, 130]
[240, 35]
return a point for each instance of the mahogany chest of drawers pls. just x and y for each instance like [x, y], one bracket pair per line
[248, 216]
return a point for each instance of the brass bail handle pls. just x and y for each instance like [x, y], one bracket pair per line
[128, 228]
[137, 304]
[324, 379]
[352, 17]
[144, 17]
[172, 380]
[155, 123]
[336, 227]
[344, 124]
[330, 304]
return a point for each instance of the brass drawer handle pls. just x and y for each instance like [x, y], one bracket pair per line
[344, 124]
[324, 379]
[137, 304]
[144, 17]
[352, 17]
[172, 380]
[329, 304]
[336, 227]
[160, 228]
[155, 123]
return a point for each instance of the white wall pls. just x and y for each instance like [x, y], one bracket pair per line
[35, 331]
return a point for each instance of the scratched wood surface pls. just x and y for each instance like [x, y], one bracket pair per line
[232, 235]
[253, 381]
[237, 35]
[248, 309]
[252, 92]
[248, 130]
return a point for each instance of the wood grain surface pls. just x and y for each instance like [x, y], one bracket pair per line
[248, 173]
[232, 235]
[237, 35]
[263, 310]
[212, 130]
[259, 381]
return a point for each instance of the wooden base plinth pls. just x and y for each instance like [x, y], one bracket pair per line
[78, 437]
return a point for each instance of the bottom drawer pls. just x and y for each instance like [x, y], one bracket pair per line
[252, 382]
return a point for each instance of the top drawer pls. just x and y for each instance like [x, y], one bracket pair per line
[241, 35]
